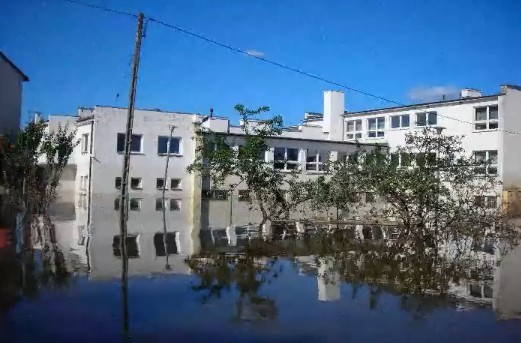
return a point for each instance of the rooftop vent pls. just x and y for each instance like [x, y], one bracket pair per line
[469, 93]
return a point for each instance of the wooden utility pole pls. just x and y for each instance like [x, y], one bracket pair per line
[123, 199]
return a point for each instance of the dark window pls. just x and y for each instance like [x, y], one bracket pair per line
[171, 245]
[215, 194]
[159, 204]
[160, 183]
[244, 195]
[175, 204]
[162, 144]
[136, 183]
[135, 204]
[116, 204]
[135, 143]
[118, 183]
[131, 243]
[175, 184]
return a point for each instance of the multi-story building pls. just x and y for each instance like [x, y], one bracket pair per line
[490, 126]
[11, 81]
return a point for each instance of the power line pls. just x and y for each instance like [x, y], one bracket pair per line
[102, 8]
[317, 77]
[272, 62]
[244, 52]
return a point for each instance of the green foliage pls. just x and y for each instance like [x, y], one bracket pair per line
[232, 161]
[34, 163]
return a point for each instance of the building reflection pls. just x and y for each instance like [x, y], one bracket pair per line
[89, 242]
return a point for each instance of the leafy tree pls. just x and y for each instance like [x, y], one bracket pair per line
[234, 161]
[34, 164]
[433, 191]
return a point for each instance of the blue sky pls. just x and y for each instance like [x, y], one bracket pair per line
[406, 50]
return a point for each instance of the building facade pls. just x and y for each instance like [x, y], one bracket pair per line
[11, 81]
[490, 126]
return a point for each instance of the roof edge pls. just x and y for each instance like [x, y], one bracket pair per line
[11, 63]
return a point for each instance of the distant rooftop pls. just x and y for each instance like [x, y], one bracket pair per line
[435, 103]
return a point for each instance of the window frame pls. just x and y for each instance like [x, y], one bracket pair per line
[487, 121]
[212, 194]
[179, 146]
[320, 166]
[164, 183]
[179, 185]
[400, 118]
[131, 151]
[427, 118]
[179, 204]
[116, 180]
[139, 204]
[355, 134]
[243, 195]
[140, 186]
[377, 129]
[85, 148]
[486, 162]
[287, 162]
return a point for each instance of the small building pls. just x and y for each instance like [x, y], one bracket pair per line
[11, 82]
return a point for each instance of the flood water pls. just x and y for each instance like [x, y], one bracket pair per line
[65, 285]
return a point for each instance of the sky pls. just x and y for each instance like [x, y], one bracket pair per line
[405, 50]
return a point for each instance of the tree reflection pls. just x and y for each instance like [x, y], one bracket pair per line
[245, 272]
[422, 278]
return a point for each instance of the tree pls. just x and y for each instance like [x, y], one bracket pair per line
[434, 192]
[34, 164]
[230, 162]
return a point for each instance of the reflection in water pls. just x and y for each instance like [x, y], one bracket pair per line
[238, 265]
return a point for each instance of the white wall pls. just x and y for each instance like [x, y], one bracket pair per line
[10, 99]
[510, 108]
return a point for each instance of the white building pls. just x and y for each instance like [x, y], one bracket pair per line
[98, 160]
[11, 81]
[483, 120]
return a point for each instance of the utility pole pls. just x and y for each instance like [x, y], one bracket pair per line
[165, 245]
[123, 201]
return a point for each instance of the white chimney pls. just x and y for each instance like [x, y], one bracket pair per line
[469, 93]
[333, 122]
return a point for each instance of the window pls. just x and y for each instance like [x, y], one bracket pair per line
[316, 160]
[118, 182]
[160, 183]
[426, 119]
[135, 143]
[376, 127]
[131, 244]
[244, 195]
[175, 205]
[135, 204]
[159, 204]
[425, 160]
[486, 118]
[136, 183]
[85, 143]
[162, 145]
[82, 235]
[170, 242]
[216, 194]
[401, 159]
[487, 201]
[261, 157]
[286, 158]
[175, 184]
[82, 201]
[487, 160]
[401, 121]
[354, 129]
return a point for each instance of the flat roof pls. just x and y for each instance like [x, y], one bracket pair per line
[8, 61]
[303, 139]
[425, 104]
